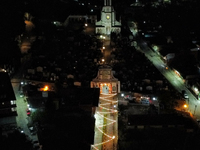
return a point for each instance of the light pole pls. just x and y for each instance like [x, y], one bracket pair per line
[122, 95]
[185, 106]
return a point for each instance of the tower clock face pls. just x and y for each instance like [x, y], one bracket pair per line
[108, 17]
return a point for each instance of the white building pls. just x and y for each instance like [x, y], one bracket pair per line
[108, 22]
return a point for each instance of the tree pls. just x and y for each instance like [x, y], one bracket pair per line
[166, 98]
[15, 140]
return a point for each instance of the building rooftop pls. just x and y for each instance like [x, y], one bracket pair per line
[6, 89]
[161, 119]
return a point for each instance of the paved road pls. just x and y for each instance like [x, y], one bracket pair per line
[22, 118]
[106, 127]
[176, 81]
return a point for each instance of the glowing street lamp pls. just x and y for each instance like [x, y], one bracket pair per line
[46, 88]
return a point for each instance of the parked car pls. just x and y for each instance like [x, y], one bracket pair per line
[128, 97]
[28, 112]
[144, 101]
[21, 94]
[185, 96]
[32, 130]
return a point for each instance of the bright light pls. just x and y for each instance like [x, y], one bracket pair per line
[155, 47]
[46, 88]
[103, 47]
[122, 95]
[103, 60]
[22, 83]
[86, 24]
[185, 106]
[154, 98]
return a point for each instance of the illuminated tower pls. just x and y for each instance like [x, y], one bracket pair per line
[105, 80]
[108, 22]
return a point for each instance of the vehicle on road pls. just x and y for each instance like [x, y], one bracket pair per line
[32, 130]
[184, 94]
[28, 112]
[144, 101]
[128, 97]
[21, 94]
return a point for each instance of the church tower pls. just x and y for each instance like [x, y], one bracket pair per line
[108, 22]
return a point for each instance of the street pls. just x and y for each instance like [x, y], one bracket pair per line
[106, 128]
[176, 81]
[22, 118]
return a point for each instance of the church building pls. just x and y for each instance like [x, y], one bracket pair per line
[108, 22]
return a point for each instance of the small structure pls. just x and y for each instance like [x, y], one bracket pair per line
[106, 81]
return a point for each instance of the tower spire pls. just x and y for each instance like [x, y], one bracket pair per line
[107, 2]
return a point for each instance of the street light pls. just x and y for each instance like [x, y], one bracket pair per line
[102, 60]
[185, 106]
[122, 95]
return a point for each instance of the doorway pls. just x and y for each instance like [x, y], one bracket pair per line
[105, 89]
